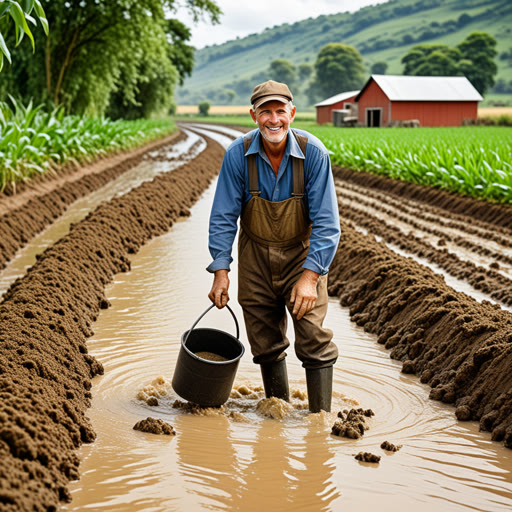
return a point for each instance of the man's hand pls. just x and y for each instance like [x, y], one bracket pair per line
[219, 292]
[304, 294]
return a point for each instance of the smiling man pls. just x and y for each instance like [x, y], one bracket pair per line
[278, 181]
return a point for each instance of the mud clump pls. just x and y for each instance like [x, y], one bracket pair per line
[45, 320]
[154, 426]
[367, 457]
[352, 423]
[390, 447]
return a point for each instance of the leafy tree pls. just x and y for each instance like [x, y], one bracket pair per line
[473, 58]
[120, 55]
[379, 68]
[419, 61]
[479, 48]
[282, 70]
[19, 13]
[204, 108]
[339, 67]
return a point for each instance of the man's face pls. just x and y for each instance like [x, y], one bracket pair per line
[273, 119]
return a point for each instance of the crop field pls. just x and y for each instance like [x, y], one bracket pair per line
[32, 140]
[474, 161]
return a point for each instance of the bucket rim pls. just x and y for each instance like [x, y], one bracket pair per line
[229, 361]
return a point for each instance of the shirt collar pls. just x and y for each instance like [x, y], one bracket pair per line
[292, 146]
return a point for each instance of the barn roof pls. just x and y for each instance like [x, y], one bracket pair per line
[425, 88]
[335, 99]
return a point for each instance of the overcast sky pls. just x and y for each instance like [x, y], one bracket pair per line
[242, 18]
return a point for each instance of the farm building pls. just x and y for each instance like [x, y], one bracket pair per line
[343, 101]
[432, 100]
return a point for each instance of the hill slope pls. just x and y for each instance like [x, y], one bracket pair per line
[384, 32]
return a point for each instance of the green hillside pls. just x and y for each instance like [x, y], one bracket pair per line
[383, 32]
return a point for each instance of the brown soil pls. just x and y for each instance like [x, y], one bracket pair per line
[210, 356]
[352, 424]
[45, 320]
[390, 447]
[154, 426]
[368, 457]
[462, 348]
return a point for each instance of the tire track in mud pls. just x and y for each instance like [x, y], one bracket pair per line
[45, 320]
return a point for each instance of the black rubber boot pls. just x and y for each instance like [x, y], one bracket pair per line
[275, 380]
[319, 382]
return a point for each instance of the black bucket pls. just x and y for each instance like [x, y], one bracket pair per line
[201, 381]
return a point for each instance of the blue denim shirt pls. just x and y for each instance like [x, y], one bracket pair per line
[232, 194]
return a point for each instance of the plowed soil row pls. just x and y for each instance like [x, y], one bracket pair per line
[27, 214]
[45, 320]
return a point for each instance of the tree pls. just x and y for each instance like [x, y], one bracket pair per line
[473, 58]
[379, 68]
[204, 108]
[282, 70]
[11, 10]
[479, 48]
[432, 59]
[339, 67]
[108, 55]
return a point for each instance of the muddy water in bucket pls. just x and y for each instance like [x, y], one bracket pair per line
[251, 454]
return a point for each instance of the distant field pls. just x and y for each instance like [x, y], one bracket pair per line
[494, 111]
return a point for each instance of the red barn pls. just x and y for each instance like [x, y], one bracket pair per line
[340, 101]
[431, 100]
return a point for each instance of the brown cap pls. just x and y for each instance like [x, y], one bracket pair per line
[268, 91]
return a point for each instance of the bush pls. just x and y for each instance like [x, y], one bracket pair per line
[204, 107]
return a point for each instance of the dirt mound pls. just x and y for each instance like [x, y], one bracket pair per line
[462, 348]
[45, 320]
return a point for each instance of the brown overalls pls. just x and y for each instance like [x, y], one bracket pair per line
[272, 247]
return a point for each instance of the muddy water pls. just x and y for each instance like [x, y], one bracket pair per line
[248, 461]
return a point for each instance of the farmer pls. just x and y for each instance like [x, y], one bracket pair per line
[279, 183]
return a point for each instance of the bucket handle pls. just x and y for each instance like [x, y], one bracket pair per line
[208, 309]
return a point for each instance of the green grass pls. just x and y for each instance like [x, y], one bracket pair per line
[33, 141]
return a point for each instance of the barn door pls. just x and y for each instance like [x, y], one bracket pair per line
[373, 117]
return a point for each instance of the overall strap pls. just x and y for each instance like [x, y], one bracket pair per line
[298, 166]
[252, 167]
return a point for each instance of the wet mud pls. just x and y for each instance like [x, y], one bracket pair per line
[45, 320]
[460, 347]
[154, 426]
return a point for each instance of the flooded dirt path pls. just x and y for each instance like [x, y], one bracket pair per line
[249, 462]
[236, 458]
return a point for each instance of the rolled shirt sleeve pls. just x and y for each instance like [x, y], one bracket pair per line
[227, 207]
[323, 212]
